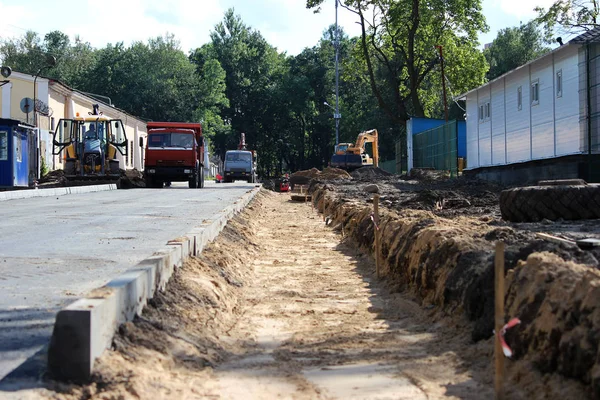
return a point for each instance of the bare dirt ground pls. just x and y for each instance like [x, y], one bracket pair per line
[280, 306]
[438, 238]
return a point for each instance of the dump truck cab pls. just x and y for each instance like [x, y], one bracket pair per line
[174, 152]
[239, 165]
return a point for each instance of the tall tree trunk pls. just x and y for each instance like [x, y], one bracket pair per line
[413, 72]
[400, 116]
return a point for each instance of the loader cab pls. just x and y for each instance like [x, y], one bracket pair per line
[341, 148]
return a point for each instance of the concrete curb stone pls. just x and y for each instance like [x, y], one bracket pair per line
[61, 191]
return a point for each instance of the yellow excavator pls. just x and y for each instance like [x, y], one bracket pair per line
[350, 156]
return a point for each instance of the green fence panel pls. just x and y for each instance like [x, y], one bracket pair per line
[437, 148]
[389, 166]
[401, 157]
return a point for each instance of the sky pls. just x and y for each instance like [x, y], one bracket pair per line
[286, 24]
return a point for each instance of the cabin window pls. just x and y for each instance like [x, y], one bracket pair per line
[535, 92]
[3, 146]
[484, 111]
[520, 98]
[559, 84]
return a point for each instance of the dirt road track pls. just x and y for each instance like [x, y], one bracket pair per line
[278, 307]
[321, 326]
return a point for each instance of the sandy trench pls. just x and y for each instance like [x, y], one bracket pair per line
[322, 327]
[282, 307]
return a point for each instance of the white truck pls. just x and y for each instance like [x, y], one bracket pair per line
[239, 165]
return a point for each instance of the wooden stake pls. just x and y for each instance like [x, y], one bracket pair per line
[499, 290]
[376, 219]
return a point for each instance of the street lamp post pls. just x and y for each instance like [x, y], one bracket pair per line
[337, 114]
[50, 62]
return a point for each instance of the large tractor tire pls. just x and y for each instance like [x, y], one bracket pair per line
[535, 203]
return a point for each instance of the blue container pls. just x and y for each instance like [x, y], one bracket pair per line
[18, 154]
[419, 125]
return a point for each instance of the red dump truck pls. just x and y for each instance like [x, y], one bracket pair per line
[174, 153]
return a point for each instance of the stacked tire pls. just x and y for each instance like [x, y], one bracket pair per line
[550, 201]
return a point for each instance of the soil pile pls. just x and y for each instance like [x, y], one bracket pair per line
[558, 304]
[128, 179]
[369, 173]
[311, 173]
[429, 175]
[307, 176]
[131, 178]
[332, 174]
[54, 178]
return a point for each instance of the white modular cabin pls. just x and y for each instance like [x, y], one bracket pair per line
[538, 111]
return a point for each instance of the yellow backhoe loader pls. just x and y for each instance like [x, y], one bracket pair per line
[89, 146]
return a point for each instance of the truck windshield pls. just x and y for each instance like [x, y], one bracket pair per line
[171, 140]
[243, 157]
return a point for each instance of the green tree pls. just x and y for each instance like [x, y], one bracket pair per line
[568, 17]
[514, 47]
[253, 70]
[29, 53]
[398, 50]
[156, 80]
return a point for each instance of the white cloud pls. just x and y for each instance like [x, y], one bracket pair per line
[522, 8]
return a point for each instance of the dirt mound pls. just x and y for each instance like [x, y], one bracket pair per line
[558, 303]
[370, 173]
[53, 179]
[428, 175]
[131, 178]
[311, 173]
[328, 174]
[333, 173]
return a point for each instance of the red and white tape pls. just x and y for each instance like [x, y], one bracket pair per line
[510, 324]
[374, 223]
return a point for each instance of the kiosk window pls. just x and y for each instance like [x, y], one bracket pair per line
[3, 146]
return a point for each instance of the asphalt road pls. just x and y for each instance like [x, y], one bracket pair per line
[54, 250]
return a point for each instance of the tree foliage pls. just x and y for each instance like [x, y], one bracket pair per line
[568, 17]
[398, 47]
[514, 47]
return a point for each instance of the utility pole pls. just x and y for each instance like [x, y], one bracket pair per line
[443, 82]
[337, 114]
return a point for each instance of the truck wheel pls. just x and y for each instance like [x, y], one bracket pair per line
[201, 177]
[193, 182]
[534, 203]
